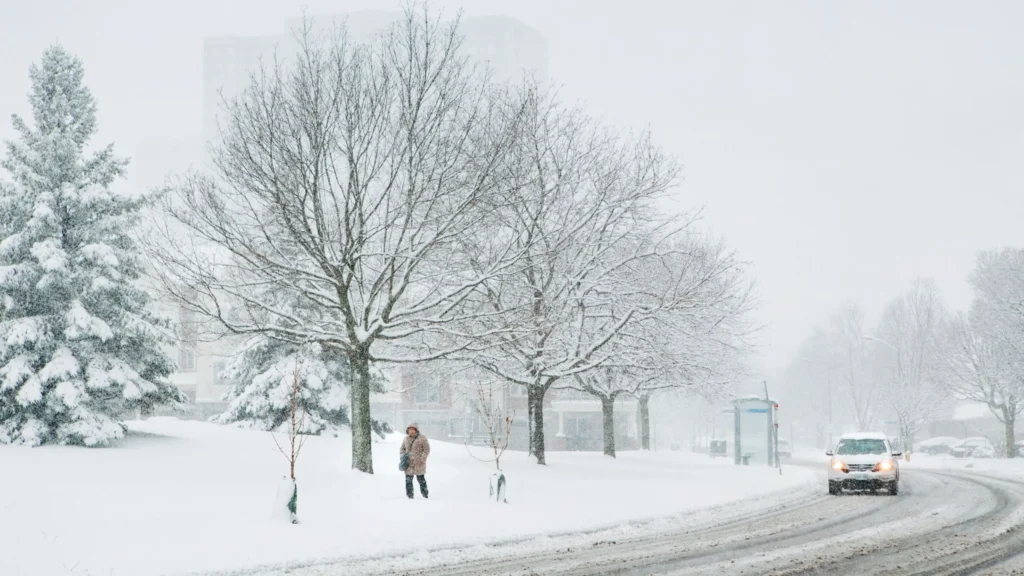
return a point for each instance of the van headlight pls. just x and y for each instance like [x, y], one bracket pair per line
[839, 465]
[884, 466]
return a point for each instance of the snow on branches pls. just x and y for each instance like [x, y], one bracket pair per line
[268, 377]
[342, 180]
[982, 352]
[910, 336]
[79, 347]
[388, 201]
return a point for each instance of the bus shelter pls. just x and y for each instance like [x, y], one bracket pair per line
[754, 437]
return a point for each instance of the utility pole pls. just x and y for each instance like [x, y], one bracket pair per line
[774, 430]
[900, 383]
[829, 393]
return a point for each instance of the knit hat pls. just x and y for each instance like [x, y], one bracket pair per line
[413, 425]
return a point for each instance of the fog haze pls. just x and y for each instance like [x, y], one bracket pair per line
[844, 148]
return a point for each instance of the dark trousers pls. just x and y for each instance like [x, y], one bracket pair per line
[423, 485]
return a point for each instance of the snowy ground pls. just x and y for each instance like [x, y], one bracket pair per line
[184, 496]
[942, 523]
[1012, 468]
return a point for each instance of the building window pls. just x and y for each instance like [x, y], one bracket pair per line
[428, 394]
[218, 367]
[187, 325]
[186, 360]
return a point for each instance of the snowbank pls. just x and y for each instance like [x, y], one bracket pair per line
[1010, 468]
[186, 496]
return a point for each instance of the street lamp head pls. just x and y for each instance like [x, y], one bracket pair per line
[879, 340]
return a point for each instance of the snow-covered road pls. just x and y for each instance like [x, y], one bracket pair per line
[943, 522]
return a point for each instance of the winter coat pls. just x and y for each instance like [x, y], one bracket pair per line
[418, 449]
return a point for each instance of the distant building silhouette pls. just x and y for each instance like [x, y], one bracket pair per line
[509, 47]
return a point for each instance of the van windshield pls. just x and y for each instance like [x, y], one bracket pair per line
[861, 446]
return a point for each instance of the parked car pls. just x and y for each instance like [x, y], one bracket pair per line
[863, 461]
[785, 449]
[974, 447]
[938, 445]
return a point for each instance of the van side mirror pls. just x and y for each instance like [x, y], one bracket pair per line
[828, 453]
[897, 454]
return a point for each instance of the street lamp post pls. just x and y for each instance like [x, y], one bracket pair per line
[899, 376]
[828, 368]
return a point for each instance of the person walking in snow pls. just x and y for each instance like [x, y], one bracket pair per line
[414, 450]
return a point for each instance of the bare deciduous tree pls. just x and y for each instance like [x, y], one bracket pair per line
[697, 346]
[607, 384]
[977, 368]
[578, 202]
[296, 423]
[496, 417]
[805, 388]
[983, 348]
[295, 430]
[343, 181]
[998, 282]
[848, 354]
[910, 330]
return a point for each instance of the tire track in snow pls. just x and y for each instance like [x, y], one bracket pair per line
[1002, 540]
[943, 523]
[698, 543]
[893, 546]
[973, 530]
[831, 535]
[770, 554]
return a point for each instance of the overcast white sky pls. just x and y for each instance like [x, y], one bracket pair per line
[843, 147]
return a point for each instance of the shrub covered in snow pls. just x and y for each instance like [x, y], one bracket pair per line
[79, 348]
[262, 375]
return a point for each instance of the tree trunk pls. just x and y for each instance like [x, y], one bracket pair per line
[907, 433]
[535, 399]
[529, 420]
[863, 419]
[608, 415]
[645, 422]
[362, 431]
[1009, 422]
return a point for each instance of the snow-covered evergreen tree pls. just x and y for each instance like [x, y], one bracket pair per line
[79, 347]
[262, 376]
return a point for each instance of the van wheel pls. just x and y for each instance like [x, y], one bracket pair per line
[834, 488]
[894, 488]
